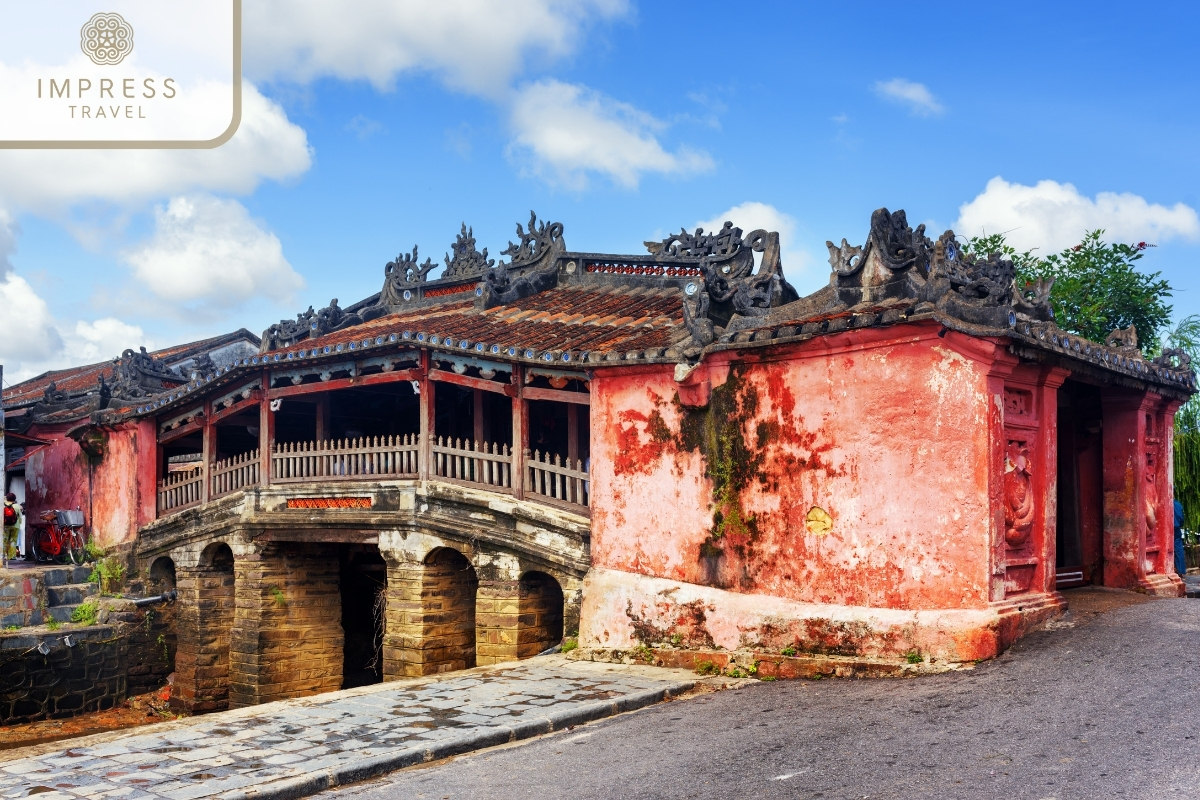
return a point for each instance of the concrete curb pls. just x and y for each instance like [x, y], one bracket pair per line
[374, 766]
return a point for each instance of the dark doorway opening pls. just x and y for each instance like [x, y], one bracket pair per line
[560, 429]
[1080, 518]
[364, 593]
[385, 410]
[237, 434]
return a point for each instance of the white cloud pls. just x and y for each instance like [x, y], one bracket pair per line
[209, 252]
[563, 132]
[752, 215]
[474, 45]
[916, 96]
[266, 146]
[103, 339]
[1050, 216]
[8, 241]
[27, 332]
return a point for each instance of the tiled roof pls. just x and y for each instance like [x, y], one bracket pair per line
[583, 319]
[77, 380]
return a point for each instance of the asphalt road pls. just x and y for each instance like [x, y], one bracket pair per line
[1108, 708]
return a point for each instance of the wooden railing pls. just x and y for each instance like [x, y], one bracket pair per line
[548, 478]
[345, 459]
[483, 463]
[180, 490]
[233, 473]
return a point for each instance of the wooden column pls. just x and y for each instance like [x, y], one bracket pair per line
[477, 415]
[266, 434]
[520, 420]
[572, 434]
[322, 408]
[208, 451]
[428, 410]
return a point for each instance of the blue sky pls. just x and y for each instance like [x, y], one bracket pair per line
[376, 126]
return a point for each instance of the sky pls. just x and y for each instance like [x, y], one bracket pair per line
[373, 127]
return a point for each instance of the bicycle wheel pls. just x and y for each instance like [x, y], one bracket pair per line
[48, 545]
[76, 547]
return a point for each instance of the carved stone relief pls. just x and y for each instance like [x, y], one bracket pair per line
[1018, 494]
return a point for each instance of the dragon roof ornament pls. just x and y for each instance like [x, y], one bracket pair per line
[532, 265]
[467, 262]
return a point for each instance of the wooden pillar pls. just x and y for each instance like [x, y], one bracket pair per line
[572, 434]
[428, 411]
[1124, 434]
[149, 454]
[477, 415]
[208, 451]
[322, 407]
[520, 420]
[266, 434]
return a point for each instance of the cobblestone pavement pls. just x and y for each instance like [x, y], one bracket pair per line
[297, 747]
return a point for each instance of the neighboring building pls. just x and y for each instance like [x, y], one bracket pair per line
[671, 449]
[66, 462]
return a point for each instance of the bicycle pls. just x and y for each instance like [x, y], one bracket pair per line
[61, 535]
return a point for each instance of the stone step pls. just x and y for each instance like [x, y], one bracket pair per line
[70, 594]
[64, 576]
[60, 613]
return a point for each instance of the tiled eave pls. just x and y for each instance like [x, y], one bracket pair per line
[1035, 340]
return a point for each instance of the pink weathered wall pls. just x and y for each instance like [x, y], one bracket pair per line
[57, 477]
[889, 437]
[115, 490]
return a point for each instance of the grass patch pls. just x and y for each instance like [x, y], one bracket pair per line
[707, 668]
[85, 613]
[913, 657]
[569, 644]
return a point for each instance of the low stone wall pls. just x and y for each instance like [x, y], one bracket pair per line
[130, 651]
[69, 680]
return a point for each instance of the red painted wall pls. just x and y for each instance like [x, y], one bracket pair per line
[60, 477]
[886, 433]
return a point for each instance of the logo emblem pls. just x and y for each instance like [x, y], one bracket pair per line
[106, 39]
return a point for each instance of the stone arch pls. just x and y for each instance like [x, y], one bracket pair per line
[540, 613]
[162, 574]
[204, 628]
[430, 614]
[218, 556]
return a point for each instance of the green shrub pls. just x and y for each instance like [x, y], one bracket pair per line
[85, 613]
[788, 651]
[707, 668]
[108, 572]
[53, 624]
[569, 644]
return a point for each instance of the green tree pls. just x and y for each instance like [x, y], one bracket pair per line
[1097, 287]
[1186, 337]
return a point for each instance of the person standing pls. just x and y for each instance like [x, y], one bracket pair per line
[12, 527]
[1180, 556]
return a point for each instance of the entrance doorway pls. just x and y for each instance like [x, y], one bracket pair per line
[364, 591]
[1080, 520]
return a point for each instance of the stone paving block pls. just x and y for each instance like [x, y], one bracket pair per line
[354, 734]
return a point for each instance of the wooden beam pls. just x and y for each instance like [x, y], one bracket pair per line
[266, 438]
[245, 405]
[181, 431]
[557, 395]
[345, 383]
[428, 419]
[467, 381]
[520, 436]
[323, 420]
[208, 450]
[572, 434]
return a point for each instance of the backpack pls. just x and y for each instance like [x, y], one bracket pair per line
[10, 515]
